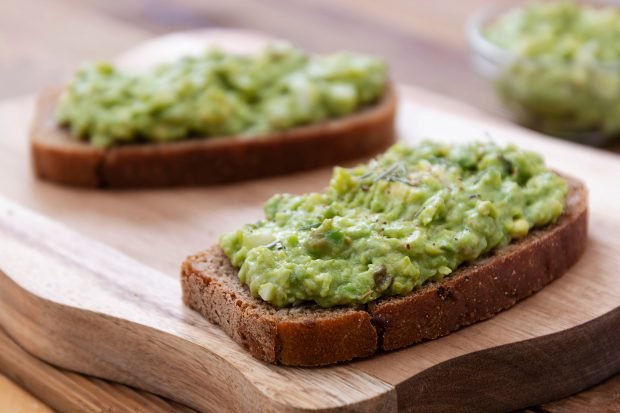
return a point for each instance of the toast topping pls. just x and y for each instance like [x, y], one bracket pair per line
[384, 228]
[218, 94]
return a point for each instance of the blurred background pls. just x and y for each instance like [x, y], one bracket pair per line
[41, 41]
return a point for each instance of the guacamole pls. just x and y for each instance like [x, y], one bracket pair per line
[385, 228]
[564, 74]
[218, 94]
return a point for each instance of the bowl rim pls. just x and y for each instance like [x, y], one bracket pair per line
[485, 48]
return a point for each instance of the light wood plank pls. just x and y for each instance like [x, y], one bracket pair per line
[66, 391]
[604, 398]
[15, 400]
[42, 42]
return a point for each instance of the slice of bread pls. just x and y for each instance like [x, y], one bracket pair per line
[59, 158]
[310, 336]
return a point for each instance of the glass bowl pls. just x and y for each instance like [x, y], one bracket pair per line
[575, 101]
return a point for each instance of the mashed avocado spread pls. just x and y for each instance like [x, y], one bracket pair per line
[564, 76]
[218, 94]
[384, 228]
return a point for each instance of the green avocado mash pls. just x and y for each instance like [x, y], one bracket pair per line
[384, 228]
[218, 94]
[564, 77]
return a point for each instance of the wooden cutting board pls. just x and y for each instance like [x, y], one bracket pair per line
[89, 282]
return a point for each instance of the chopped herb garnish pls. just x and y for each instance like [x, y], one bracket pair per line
[275, 245]
[389, 171]
[310, 226]
[400, 179]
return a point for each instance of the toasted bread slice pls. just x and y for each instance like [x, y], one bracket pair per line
[59, 158]
[310, 336]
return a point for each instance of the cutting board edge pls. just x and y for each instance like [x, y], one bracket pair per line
[42, 341]
[520, 364]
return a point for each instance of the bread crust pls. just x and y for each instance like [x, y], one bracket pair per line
[309, 335]
[301, 336]
[58, 158]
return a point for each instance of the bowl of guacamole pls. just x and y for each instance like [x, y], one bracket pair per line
[554, 64]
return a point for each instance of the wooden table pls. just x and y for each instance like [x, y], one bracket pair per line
[14, 399]
[41, 42]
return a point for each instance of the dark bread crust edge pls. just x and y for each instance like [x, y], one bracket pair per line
[307, 335]
[58, 158]
[482, 289]
[311, 336]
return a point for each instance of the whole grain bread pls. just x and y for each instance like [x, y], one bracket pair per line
[310, 336]
[58, 158]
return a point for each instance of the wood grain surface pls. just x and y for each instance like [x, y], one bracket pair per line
[156, 227]
[15, 400]
[66, 391]
[423, 41]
